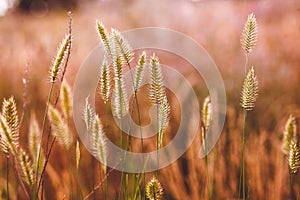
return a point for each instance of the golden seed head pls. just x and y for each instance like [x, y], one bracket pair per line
[66, 100]
[249, 91]
[105, 81]
[63, 50]
[139, 71]
[77, 154]
[157, 90]
[154, 191]
[294, 157]
[289, 134]
[104, 36]
[59, 128]
[163, 120]
[26, 167]
[206, 112]
[249, 35]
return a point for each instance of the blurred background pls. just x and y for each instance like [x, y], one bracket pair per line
[31, 30]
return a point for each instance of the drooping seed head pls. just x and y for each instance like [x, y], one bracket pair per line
[26, 167]
[163, 120]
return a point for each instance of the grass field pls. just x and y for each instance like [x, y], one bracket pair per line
[32, 40]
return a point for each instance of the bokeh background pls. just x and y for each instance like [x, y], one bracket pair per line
[31, 30]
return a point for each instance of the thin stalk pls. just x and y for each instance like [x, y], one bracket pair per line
[157, 140]
[206, 167]
[242, 174]
[291, 185]
[246, 63]
[7, 176]
[100, 175]
[36, 188]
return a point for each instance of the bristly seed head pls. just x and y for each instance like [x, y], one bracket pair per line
[294, 157]
[105, 81]
[289, 134]
[104, 36]
[206, 112]
[157, 90]
[249, 35]
[139, 71]
[60, 57]
[249, 91]
[154, 191]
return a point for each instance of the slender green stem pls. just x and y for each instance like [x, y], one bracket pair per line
[7, 176]
[157, 140]
[206, 165]
[100, 174]
[242, 174]
[36, 188]
[291, 185]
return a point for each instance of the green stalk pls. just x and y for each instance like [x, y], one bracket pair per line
[206, 167]
[242, 174]
[36, 188]
[7, 176]
[291, 185]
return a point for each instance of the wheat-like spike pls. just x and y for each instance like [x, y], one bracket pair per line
[9, 112]
[88, 115]
[77, 154]
[60, 57]
[249, 91]
[139, 71]
[10, 126]
[121, 47]
[26, 167]
[104, 36]
[105, 81]
[289, 134]
[249, 35]
[163, 120]
[8, 142]
[206, 112]
[120, 104]
[66, 100]
[294, 157]
[154, 191]
[59, 128]
[99, 142]
[34, 137]
[157, 91]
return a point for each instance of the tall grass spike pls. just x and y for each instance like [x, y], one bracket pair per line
[249, 35]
